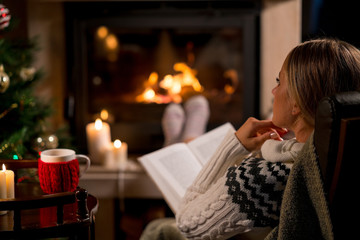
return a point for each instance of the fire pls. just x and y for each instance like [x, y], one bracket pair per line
[149, 94]
[172, 85]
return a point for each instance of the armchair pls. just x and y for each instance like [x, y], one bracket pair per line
[337, 143]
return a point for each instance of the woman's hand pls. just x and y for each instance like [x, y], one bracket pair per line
[253, 133]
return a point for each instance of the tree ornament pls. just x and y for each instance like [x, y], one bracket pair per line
[39, 144]
[4, 17]
[27, 74]
[52, 141]
[4, 80]
[46, 142]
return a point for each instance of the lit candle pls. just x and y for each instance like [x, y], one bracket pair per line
[116, 154]
[3, 192]
[120, 151]
[10, 187]
[98, 138]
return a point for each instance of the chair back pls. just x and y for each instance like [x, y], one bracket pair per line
[337, 144]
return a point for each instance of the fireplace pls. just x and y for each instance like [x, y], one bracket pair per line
[132, 58]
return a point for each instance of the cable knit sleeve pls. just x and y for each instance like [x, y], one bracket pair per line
[226, 200]
[208, 191]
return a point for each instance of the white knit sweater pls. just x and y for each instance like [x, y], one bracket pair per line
[226, 199]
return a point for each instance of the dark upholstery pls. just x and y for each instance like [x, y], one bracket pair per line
[337, 144]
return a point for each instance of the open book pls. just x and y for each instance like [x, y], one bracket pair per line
[174, 168]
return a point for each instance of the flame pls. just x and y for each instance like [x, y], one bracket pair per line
[3, 168]
[98, 124]
[117, 143]
[233, 76]
[229, 89]
[172, 84]
[149, 94]
[153, 78]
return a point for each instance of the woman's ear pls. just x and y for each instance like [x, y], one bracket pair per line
[295, 110]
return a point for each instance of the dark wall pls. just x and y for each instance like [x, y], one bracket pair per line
[332, 18]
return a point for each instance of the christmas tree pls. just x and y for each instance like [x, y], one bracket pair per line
[22, 115]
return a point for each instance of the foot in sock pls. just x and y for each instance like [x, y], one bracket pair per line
[173, 123]
[197, 115]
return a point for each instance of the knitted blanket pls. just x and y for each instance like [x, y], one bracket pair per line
[304, 211]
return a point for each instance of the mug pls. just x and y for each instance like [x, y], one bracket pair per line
[59, 170]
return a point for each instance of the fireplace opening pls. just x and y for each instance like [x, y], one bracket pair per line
[131, 60]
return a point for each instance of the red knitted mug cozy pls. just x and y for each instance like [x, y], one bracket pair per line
[58, 177]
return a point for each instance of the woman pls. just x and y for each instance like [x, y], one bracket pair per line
[240, 189]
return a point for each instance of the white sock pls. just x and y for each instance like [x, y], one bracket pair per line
[172, 123]
[197, 116]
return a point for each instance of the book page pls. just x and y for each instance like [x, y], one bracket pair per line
[205, 146]
[173, 169]
[170, 195]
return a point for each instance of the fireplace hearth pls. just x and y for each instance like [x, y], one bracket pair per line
[132, 58]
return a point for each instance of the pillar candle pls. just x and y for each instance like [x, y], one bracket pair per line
[9, 182]
[120, 151]
[98, 138]
[10, 185]
[116, 154]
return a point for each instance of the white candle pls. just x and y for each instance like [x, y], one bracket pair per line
[98, 138]
[120, 151]
[10, 186]
[116, 154]
[3, 191]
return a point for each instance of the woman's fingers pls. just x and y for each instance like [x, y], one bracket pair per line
[253, 133]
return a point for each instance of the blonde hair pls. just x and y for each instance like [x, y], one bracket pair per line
[320, 68]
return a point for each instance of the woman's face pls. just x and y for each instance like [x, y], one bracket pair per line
[283, 104]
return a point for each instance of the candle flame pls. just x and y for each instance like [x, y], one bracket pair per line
[98, 124]
[3, 168]
[117, 143]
